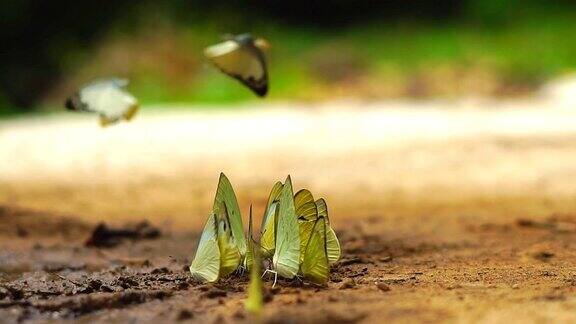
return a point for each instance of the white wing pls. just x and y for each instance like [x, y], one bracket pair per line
[240, 62]
[108, 98]
[286, 258]
[206, 263]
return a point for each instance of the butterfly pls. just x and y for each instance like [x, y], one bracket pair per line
[308, 211]
[242, 57]
[286, 257]
[315, 264]
[108, 98]
[217, 255]
[222, 245]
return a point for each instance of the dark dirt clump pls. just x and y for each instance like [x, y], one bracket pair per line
[105, 236]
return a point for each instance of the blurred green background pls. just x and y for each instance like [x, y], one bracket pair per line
[320, 49]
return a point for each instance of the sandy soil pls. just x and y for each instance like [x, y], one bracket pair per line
[447, 211]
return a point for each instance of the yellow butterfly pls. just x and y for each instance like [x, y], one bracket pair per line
[308, 212]
[222, 245]
[286, 257]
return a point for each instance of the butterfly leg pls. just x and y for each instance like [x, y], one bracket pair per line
[265, 272]
[299, 278]
[275, 276]
[241, 269]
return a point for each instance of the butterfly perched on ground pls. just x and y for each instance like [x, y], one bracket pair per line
[222, 245]
[286, 258]
[108, 98]
[315, 264]
[242, 57]
[308, 211]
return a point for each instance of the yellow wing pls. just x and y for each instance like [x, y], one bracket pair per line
[206, 264]
[315, 266]
[286, 259]
[225, 194]
[305, 205]
[230, 257]
[268, 232]
[305, 230]
[332, 243]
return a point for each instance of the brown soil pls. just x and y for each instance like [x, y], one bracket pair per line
[490, 271]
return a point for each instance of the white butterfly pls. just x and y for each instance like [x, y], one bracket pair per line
[108, 98]
[242, 57]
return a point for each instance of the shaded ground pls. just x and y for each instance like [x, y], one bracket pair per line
[456, 216]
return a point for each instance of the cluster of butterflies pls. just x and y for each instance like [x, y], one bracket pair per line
[241, 57]
[296, 239]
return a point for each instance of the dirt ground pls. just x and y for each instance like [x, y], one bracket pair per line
[452, 212]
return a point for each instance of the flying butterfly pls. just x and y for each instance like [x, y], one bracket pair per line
[242, 57]
[108, 98]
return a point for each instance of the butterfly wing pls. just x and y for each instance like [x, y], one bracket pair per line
[109, 99]
[242, 61]
[267, 234]
[332, 246]
[286, 258]
[315, 266]
[230, 257]
[305, 205]
[206, 264]
[225, 194]
[332, 243]
[305, 230]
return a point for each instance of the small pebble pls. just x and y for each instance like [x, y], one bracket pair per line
[184, 315]
[348, 283]
[386, 259]
[382, 286]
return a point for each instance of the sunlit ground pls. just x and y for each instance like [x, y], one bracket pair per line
[394, 159]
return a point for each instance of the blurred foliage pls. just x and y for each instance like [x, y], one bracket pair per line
[320, 49]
